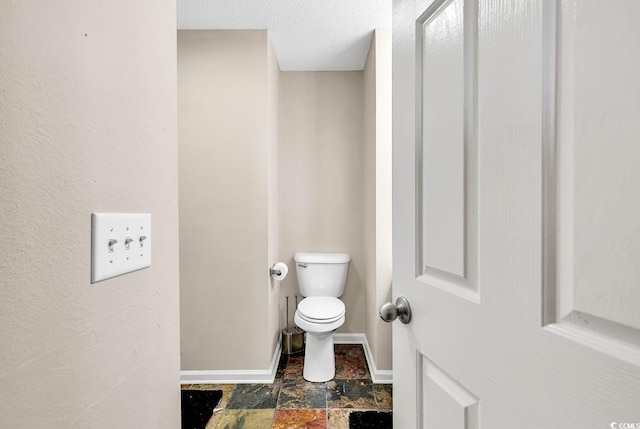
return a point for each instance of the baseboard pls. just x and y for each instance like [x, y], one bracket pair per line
[267, 376]
[381, 376]
[257, 376]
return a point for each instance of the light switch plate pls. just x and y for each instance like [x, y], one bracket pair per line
[120, 243]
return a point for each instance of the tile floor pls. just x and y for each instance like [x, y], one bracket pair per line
[349, 401]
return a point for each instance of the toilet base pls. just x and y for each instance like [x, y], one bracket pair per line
[319, 358]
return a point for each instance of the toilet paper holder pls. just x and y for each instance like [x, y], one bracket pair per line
[274, 271]
[279, 271]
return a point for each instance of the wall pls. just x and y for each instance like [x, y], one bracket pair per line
[272, 163]
[321, 177]
[377, 194]
[273, 184]
[228, 230]
[88, 123]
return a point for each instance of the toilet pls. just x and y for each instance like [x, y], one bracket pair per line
[321, 280]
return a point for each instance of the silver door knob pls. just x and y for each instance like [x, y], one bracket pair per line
[390, 312]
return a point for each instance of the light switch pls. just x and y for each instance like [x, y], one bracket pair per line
[120, 243]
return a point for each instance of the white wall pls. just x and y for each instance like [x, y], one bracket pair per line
[227, 139]
[377, 194]
[87, 123]
[321, 177]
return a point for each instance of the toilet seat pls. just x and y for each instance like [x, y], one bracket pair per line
[321, 309]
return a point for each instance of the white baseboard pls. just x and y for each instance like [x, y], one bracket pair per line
[257, 376]
[267, 376]
[383, 376]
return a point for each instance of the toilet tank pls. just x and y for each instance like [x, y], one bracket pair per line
[321, 274]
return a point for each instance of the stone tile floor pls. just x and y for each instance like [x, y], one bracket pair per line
[349, 401]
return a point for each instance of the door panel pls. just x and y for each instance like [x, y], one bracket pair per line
[447, 148]
[516, 223]
[598, 275]
[591, 285]
[445, 403]
[443, 138]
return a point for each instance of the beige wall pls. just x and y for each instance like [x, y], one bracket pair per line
[273, 200]
[321, 177]
[87, 123]
[377, 194]
[273, 163]
[227, 136]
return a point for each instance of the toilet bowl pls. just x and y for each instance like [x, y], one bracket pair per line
[319, 324]
[321, 279]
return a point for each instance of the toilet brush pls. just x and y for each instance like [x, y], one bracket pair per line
[287, 325]
[292, 337]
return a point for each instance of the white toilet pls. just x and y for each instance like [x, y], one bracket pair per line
[321, 279]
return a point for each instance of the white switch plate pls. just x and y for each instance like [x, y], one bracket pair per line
[131, 250]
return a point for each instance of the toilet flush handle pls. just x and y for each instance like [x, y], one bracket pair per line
[303, 265]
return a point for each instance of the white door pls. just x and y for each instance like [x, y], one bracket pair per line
[516, 133]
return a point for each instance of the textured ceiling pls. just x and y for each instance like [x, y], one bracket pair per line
[306, 34]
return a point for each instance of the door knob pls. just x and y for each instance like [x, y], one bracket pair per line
[390, 312]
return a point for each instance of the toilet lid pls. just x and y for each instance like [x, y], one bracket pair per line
[321, 308]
